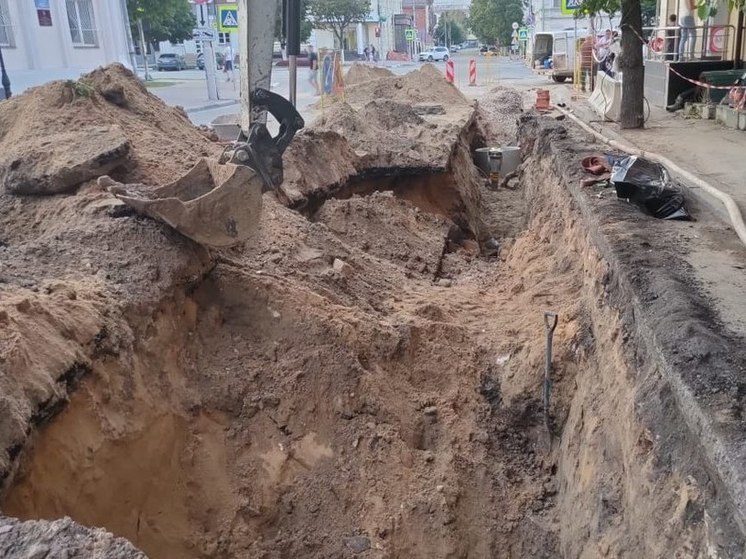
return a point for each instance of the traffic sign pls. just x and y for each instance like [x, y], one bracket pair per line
[227, 18]
[569, 7]
[523, 34]
[203, 34]
[410, 34]
[515, 25]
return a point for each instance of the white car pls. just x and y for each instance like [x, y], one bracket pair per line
[438, 53]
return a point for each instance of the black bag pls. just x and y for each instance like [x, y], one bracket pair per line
[648, 185]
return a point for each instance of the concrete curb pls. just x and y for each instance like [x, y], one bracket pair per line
[720, 441]
[215, 105]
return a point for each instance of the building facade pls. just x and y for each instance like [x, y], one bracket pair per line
[424, 18]
[63, 35]
[551, 15]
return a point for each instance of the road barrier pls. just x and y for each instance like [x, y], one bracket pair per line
[450, 71]
[472, 72]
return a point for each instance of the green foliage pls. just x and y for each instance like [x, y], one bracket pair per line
[597, 7]
[610, 8]
[707, 9]
[491, 20]
[338, 15]
[162, 20]
[737, 5]
[79, 89]
[449, 29]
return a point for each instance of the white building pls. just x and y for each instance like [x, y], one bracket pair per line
[56, 37]
[376, 30]
[552, 15]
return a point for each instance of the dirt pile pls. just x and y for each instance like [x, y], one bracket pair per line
[349, 383]
[497, 111]
[162, 139]
[376, 140]
[71, 264]
[362, 73]
[426, 84]
[61, 538]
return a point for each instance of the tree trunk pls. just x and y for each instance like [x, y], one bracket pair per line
[340, 33]
[630, 64]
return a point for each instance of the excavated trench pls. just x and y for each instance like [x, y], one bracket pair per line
[320, 395]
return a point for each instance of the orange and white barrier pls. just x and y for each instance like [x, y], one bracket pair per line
[450, 71]
[472, 72]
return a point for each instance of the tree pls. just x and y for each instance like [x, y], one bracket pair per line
[630, 64]
[338, 15]
[449, 31]
[491, 20]
[162, 20]
[594, 8]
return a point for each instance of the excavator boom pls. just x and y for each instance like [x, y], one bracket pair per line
[218, 204]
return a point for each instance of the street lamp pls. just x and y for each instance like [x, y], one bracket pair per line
[5, 78]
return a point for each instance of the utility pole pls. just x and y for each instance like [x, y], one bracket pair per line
[208, 51]
[292, 35]
[256, 28]
[143, 49]
[5, 80]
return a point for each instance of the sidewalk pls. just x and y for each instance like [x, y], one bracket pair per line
[192, 94]
[703, 147]
[715, 154]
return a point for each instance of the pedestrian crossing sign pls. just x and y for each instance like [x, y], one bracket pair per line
[410, 34]
[523, 34]
[227, 18]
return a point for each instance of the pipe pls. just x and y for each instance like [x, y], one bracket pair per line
[734, 213]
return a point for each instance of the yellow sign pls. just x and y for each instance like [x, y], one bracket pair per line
[228, 18]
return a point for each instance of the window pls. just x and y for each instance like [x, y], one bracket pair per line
[224, 38]
[82, 23]
[6, 29]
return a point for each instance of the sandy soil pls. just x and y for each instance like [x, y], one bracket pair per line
[356, 381]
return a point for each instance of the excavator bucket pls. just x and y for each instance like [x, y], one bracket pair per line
[216, 205]
[219, 204]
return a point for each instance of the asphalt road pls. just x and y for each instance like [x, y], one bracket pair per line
[190, 89]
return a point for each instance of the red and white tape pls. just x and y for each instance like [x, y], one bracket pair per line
[706, 85]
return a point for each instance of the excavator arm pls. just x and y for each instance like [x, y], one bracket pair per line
[219, 204]
[258, 149]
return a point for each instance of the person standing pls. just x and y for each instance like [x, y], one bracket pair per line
[687, 36]
[603, 52]
[313, 72]
[228, 62]
[373, 54]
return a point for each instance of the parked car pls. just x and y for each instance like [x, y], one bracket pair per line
[437, 53]
[171, 61]
[219, 60]
[455, 48]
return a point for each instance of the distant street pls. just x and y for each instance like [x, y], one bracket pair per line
[189, 88]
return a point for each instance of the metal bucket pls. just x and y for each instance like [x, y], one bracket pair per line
[226, 127]
[511, 159]
[489, 160]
